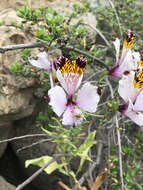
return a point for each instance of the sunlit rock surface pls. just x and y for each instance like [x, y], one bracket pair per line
[4, 185]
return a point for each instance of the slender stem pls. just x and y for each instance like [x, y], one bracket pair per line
[22, 137]
[38, 44]
[100, 34]
[51, 80]
[120, 152]
[117, 17]
[33, 144]
[21, 46]
[119, 138]
[63, 185]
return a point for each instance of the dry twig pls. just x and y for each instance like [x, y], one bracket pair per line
[100, 34]
[22, 137]
[33, 144]
[117, 17]
[38, 44]
[64, 186]
[119, 139]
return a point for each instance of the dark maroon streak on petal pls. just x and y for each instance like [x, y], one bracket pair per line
[111, 71]
[123, 108]
[126, 72]
[81, 61]
[60, 61]
[129, 35]
[99, 91]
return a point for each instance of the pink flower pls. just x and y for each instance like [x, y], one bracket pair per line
[70, 74]
[44, 62]
[128, 60]
[134, 110]
[127, 88]
[65, 101]
[131, 90]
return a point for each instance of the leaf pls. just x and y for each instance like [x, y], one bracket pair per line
[99, 180]
[52, 134]
[84, 148]
[41, 162]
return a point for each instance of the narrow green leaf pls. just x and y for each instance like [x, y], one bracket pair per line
[84, 148]
[41, 162]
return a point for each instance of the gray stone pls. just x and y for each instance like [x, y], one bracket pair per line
[4, 133]
[4, 185]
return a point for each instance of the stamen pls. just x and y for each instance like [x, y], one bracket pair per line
[61, 61]
[138, 80]
[76, 66]
[141, 59]
[81, 62]
[129, 39]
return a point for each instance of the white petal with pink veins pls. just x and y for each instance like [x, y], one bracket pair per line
[130, 62]
[61, 79]
[134, 115]
[58, 99]
[88, 97]
[72, 116]
[42, 62]
[138, 106]
[126, 87]
[79, 81]
[73, 81]
[117, 48]
[136, 59]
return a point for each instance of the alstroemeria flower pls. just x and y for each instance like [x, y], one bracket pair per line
[128, 60]
[131, 90]
[69, 73]
[65, 101]
[134, 110]
[44, 62]
[127, 90]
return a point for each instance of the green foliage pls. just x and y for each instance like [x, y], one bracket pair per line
[67, 141]
[131, 165]
[55, 29]
[16, 68]
[129, 14]
[30, 14]
[24, 12]
[21, 67]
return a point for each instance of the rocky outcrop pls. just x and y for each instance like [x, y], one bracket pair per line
[5, 129]
[4, 185]
[16, 99]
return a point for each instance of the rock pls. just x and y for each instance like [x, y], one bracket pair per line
[15, 103]
[4, 185]
[9, 15]
[5, 129]
[20, 3]
[10, 35]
